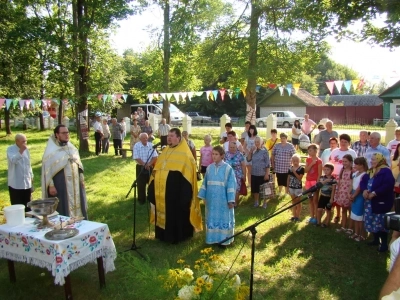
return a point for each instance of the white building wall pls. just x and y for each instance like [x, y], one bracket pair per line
[298, 111]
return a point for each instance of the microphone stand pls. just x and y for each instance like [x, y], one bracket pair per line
[253, 230]
[134, 247]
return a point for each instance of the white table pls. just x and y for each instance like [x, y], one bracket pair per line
[26, 243]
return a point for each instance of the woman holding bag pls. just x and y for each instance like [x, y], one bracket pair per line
[260, 169]
[236, 160]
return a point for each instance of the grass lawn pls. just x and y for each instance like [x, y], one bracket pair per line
[293, 260]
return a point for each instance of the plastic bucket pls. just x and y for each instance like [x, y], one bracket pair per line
[15, 214]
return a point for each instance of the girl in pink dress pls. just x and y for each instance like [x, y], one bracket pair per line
[343, 190]
[205, 155]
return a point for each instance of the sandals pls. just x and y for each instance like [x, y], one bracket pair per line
[341, 229]
[349, 231]
[256, 204]
[359, 238]
[353, 236]
[323, 225]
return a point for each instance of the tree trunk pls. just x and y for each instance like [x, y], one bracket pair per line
[81, 67]
[166, 61]
[252, 71]
[7, 121]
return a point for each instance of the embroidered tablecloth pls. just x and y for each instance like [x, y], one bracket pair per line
[26, 243]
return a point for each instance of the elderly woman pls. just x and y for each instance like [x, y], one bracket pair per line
[377, 189]
[147, 128]
[236, 160]
[135, 131]
[259, 158]
[281, 160]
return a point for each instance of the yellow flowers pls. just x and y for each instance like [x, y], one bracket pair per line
[197, 290]
[200, 285]
[200, 281]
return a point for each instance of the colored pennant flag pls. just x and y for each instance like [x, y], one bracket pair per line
[281, 90]
[198, 94]
[258, 88]
[339, 84]
[237, 91]
[125, 96]
[27, 103]
[150, 96]
[230, 93]
[330, 85]
[272, 85]
[44, 103]
[244, 91]
[57, 101]
[296, 87]
[355, 83]
[208, 94]
[169, 95]
[190, 95]
[21, 104]
[15, 103]
[289, 87]
[347, 85]
[8, 103]
[215, 94]
[48, 102]
[99, 97]
[2, 100]
[163, 95]
[222, 91]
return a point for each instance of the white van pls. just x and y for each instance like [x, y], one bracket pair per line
[175, 113]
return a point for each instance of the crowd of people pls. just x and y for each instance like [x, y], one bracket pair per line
[357, 180]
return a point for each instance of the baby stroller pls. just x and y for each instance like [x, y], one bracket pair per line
[304, 142]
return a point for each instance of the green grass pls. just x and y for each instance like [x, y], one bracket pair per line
[293, 261]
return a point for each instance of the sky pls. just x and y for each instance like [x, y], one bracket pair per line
[372, 62]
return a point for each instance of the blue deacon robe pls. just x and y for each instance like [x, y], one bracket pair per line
[218, 189]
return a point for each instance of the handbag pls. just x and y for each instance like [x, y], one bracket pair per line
[267, 189]
[243, 188]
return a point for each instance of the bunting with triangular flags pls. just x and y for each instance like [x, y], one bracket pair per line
[330, 85]
[347, 85]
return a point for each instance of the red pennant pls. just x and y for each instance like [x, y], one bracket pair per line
[272, 85]
[330, 85]
[222, 91]
[100, 97]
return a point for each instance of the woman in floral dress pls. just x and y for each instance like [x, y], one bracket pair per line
[135, 131]
[236, 160]
[379, 197]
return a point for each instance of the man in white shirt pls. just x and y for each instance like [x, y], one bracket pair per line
[163, 130]
[145, 157]
[392, 145]
[20, 175]
[98, 132]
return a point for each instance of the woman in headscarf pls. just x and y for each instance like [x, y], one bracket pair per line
[377, 189]
[236, 160]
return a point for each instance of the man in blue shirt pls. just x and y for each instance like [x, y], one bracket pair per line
[376, 147]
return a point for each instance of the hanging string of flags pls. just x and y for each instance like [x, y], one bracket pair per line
[210, 94]
[31, 103]
[347, 84]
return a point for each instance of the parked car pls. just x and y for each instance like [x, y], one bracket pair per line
[198, 118]
[284, 119]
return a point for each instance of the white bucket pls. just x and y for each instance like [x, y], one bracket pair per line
[15, 214]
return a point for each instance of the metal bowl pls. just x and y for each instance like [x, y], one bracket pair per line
[44, 207]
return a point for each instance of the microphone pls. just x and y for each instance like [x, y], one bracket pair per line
[156, 145]
[312, 189]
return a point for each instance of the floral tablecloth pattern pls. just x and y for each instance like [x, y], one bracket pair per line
[26, 243]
